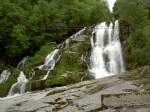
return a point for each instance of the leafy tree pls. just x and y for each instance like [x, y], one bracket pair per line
[26, 25]
[134, 16]
[19, 42]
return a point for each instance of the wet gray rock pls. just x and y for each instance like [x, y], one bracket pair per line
[81, 97]
[146, 86]
[146, 70]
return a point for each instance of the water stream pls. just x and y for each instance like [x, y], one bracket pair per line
[106, 56]
[4, 76]
[20, 86]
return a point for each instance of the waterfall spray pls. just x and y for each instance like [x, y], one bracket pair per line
[106, 56]
[4, 76]
[20, 86]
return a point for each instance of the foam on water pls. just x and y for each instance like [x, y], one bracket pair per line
[106, 56]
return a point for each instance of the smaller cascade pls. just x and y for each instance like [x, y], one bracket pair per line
[20, 86]
[54, 56]
[4, 76]
[50, 62]
[46, 76]
[22, 63]
[78, 33]
[67, 42]
[74, 37]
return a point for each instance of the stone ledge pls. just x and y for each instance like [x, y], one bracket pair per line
[125, 100]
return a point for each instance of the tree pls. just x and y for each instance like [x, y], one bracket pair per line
[135, 15]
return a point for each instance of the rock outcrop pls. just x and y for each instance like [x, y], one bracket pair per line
[81, 97]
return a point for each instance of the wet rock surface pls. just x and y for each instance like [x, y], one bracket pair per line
[81, 97]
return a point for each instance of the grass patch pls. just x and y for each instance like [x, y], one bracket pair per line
[69, 69]
[39, 57]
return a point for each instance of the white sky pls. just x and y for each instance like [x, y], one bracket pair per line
[111, 4]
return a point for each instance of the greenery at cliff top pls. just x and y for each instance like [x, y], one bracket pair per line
[26, 25]
[134, 17]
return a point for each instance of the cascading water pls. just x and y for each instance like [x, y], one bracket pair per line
[73, 37]
[111, 4]
[20, 86]
[78, 33]
[114, 50]
[22, 63]
[106, 56]
[54, 56]
[50, 62]
[4, 76]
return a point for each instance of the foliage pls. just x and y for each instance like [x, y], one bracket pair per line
[26, 25]
[135, 28]
[69, 69]
[39, 56]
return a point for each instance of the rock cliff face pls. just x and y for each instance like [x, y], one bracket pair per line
[84, 96]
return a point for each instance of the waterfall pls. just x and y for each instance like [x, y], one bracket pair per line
[111, 4]
[106, 55]
[50, 62]
[74, 37]
[20, 86]
[78, 33]
[22, 63]
[4, 76]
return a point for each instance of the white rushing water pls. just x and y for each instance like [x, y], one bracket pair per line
[20, 86]
[50, 62]
[106, 56]
[22, 63]
[4, 76]
[111, 4]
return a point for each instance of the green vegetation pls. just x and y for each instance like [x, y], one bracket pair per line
[33, 28]
[28, 28]
[38, 59]
[40, 55]
[134, 16]
[69, 70]
[27, 25]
